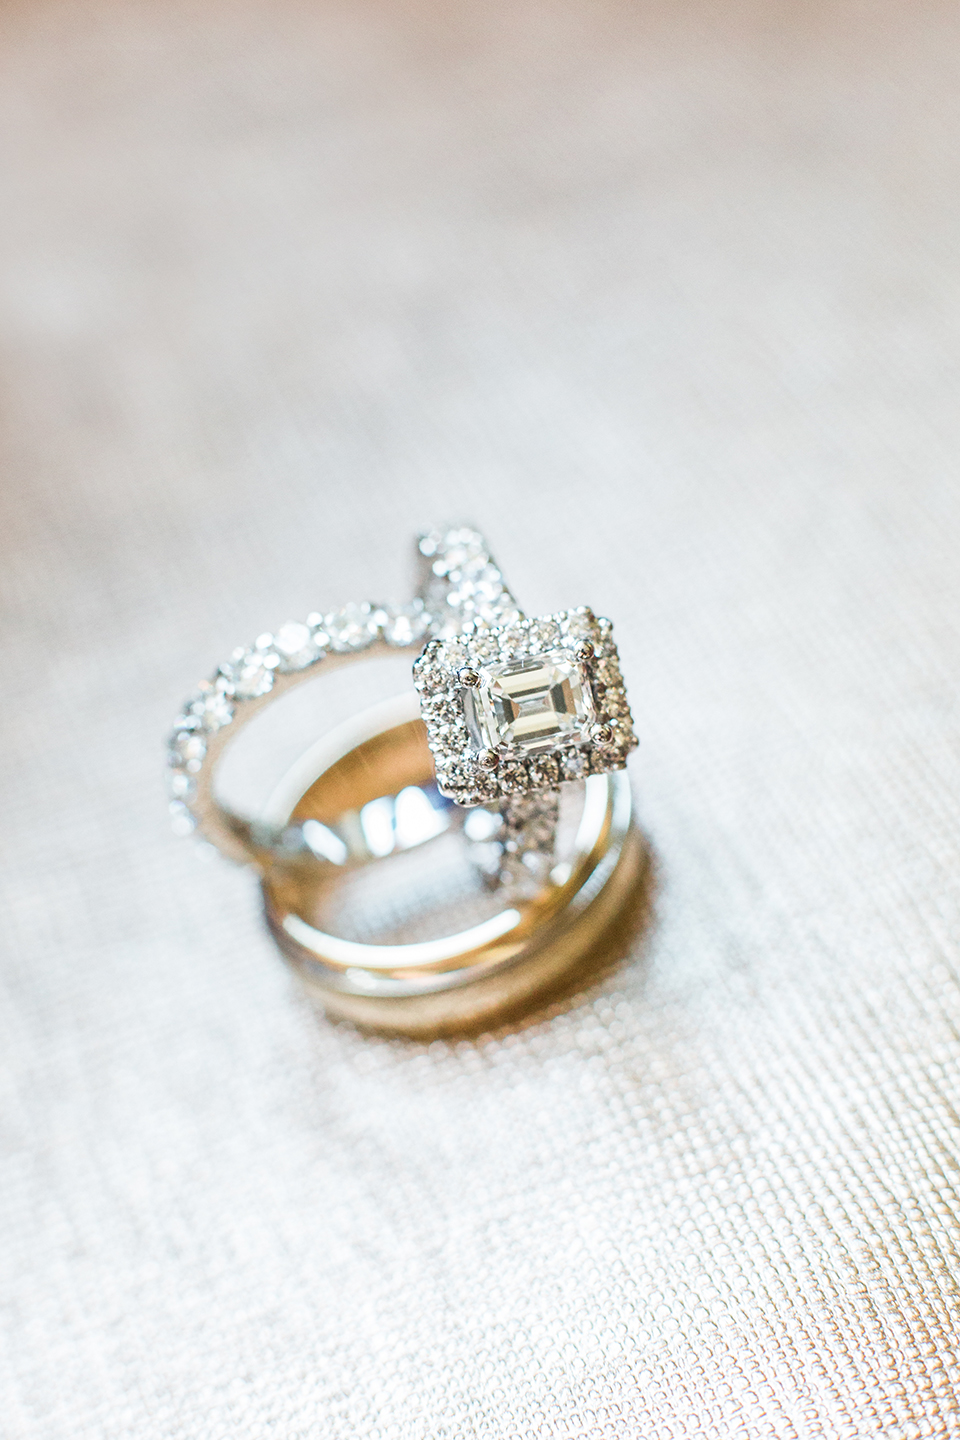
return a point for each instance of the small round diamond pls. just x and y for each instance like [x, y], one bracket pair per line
[483, 644]
[513, 778]
[479, 584]
[296, 646]
[573, 765]
[514, 640]
[249, 674]
[544, 634]
[403, 624]
[457, 548]
[212, 709]
[579, 624]
[188, 748]
[352, 628]
[181, 785]
[543, 771]
[451, 653]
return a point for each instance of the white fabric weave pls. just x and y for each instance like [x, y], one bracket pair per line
[666, 298]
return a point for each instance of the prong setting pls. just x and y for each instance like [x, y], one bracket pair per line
[522, 706]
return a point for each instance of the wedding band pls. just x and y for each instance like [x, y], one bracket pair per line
[459, 584]
[466, 977]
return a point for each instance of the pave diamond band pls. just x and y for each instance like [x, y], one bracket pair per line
[459, 584]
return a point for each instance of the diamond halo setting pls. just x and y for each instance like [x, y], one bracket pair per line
[524, 706]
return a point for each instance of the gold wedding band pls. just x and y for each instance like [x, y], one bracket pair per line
[527, 945]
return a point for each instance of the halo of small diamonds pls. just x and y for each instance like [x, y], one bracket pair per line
[572, 638]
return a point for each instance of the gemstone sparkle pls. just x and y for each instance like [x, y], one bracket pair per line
[531, 704]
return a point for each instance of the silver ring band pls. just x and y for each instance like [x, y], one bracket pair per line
[459, 583]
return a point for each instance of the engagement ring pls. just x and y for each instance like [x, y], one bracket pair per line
[527, 725]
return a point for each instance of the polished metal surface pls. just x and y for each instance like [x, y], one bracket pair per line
[674, 286]
[465, 973]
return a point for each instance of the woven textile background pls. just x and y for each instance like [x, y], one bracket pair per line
[666, 297]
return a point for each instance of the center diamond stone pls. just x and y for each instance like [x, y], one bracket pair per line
[534, 703]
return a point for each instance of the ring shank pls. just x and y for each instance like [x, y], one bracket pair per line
[464, 977]
[268, 840]
[457, 582]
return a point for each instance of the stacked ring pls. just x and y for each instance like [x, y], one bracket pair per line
[508, 714]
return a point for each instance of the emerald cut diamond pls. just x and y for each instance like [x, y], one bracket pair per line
[523, 706]
[529, 705]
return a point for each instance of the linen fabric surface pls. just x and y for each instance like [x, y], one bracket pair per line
[665, 297]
